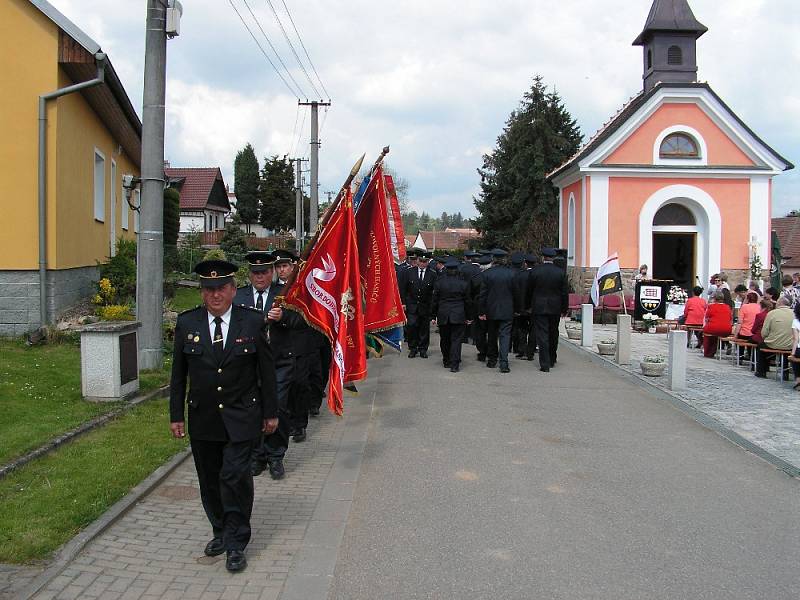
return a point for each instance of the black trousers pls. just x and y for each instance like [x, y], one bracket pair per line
[530, 348]
[498, 340]
[479, 334]
[226, 488]
[419, 332]
[519, 335]
[301, 389]
[546, 327]
[450, 337]
[274, 445]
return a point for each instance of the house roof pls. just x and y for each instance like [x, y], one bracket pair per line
[196, 185]
[630, 108]
[788, 232]
[442, 240]
[109, 101]
[670, 16]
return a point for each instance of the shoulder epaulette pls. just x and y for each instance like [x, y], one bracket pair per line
[188, 310]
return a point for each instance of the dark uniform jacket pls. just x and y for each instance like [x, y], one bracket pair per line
[227, 399]
[548, 290]
[244, 296]
[418, 296]
[452, 300]
[521, 287]
[497, 293]
[291, 336]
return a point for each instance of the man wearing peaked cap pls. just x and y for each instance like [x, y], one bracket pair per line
[417, 299]
[520, 323]
[222, 353]
[548, 291]
[261, 292]
[452, 308]
[496, 307]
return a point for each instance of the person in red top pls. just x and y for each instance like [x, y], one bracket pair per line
[694, 313]
[719, 319]
[766, 305]
[747, 317]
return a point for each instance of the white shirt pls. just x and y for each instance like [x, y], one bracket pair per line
[264, 295]
[420, 273]
[226, 320]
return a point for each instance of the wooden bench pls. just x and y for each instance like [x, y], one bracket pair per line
[690, 329]
[721, 341]
[744, 344]
[784, 355]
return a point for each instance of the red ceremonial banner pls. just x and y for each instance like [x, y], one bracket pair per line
[396, 233]
[327, 293]
[383, 308]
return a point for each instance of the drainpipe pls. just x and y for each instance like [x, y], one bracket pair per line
[100, 59]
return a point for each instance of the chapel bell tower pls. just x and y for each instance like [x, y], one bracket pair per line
[669, 40]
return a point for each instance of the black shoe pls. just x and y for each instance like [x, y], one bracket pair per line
[454, 369]
[519, 355]
[481, 357]
[505, 369]
[276, 470]
[235, 561]
[299, 435]
[544, 369]
[412, 354]
[446, 364]
[423, 354]
[257, 468]
[314, 411]
[215, 547]
[529, 358]
[491, 364]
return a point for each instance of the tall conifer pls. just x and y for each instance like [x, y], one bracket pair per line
[245, 182]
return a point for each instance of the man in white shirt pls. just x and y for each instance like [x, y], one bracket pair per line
[261, 292]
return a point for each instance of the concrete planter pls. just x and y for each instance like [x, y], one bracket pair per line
[651, 369]
[606, 349]
[573, 333]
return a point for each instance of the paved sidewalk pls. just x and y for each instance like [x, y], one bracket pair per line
[765, 412]
[155, 551]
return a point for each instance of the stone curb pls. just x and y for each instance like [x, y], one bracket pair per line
[80, 430]
[699, 416]
[71, 549]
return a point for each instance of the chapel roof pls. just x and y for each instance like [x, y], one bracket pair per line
[672, 16]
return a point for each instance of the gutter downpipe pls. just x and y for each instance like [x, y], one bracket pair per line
[42, 168]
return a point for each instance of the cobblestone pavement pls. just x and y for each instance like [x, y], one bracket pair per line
[766, 412]
[155, 551]
[14, 578]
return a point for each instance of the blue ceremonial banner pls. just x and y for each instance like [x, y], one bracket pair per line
[392, 337]
[362, 189]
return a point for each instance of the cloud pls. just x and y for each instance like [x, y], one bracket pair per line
[436, 79]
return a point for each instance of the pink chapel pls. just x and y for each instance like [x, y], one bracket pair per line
[675, 180]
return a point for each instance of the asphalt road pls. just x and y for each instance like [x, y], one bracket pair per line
[573, 484]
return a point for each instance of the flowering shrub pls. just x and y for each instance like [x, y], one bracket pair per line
[677, 295]
[656, 358]
[756, 267]
[115, 312]
[650, 319]
[106, 293]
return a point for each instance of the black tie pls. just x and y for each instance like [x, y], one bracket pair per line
[218, 339]
[260, 301]
[420, 274]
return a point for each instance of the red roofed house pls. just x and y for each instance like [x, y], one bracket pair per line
[440, 240]
[204, 198]
[675, 179]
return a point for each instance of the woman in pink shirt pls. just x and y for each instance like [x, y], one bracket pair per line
[747, 318]
[694, 313]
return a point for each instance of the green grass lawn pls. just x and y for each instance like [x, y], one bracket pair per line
[40, 394]
[47, 502]
[185, 298]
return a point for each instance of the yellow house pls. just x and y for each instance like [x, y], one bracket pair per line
[93, 138]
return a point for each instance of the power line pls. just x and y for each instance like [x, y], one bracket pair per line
[278, 56]
[260, 47]
[299, 134]
[291, 47]
[294, 129]
[291, 20]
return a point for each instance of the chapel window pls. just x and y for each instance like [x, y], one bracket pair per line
[674, 214]
[674, 55]
[679, 145]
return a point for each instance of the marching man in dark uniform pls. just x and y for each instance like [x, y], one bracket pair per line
[479, 326]
[223, 351]
[496, 304]
[549, 294]
[519, 326]
[452, 306]
[260, 293]
[418, 297]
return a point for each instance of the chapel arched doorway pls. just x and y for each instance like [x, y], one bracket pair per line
[675, 234]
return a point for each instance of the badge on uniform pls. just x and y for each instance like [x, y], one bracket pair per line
[197, 338]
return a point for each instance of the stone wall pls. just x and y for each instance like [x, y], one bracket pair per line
[19, 296]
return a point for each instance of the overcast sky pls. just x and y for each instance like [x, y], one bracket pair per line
[435, 79]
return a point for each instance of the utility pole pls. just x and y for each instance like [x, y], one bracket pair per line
[298, 208]
[314, 208]
[150, 267]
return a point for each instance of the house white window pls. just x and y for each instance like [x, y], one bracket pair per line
[137, 197]
[99, 186]
[124, 210]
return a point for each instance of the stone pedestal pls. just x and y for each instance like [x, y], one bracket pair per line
[623, 339]
[677, 360]
[109, 360]
[587, 324]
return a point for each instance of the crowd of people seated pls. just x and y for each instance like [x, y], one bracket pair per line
[768, 321]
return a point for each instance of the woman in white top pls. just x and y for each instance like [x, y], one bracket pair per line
[795, 344]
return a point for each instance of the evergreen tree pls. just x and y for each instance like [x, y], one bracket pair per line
[444, 221]
[172, 220]
[518, 206]
[277, 194]
[245, 183]
[233, 243]
[457, 220]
